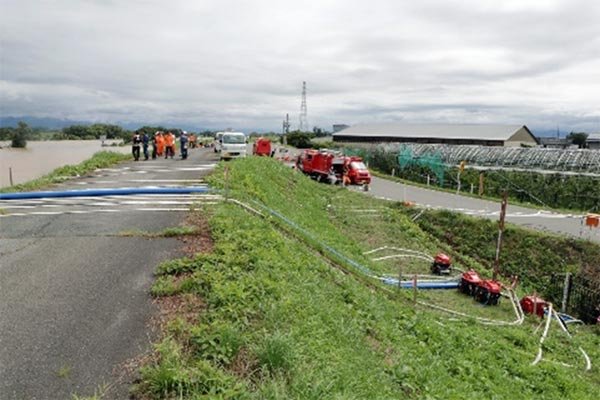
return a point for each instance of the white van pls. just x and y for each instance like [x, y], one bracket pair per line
[217, 144]
[233, 145]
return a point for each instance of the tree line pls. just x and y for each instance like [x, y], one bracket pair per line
[22, 133]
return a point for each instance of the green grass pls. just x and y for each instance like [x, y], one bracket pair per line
[176, 231]
[280, 322]
[102, 159]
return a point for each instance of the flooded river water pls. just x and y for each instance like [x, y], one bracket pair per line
[42, 157]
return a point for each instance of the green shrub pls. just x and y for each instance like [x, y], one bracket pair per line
[275, 353]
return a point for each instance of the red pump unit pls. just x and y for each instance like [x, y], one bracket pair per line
[469, 282]
[534, 304]
[441, 265]
[488, 292]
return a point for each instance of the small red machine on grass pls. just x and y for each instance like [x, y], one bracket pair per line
[534, 305]
[486, 291]
[441, 265]
[262, 147]
[469, 282]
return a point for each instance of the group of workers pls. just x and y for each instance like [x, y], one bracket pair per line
[163, 143]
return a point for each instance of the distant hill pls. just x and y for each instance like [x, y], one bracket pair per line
[35, 122]
[57, 123]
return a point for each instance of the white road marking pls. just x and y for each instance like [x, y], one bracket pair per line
[138, 202]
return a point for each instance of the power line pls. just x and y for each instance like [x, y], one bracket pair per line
[303, 111]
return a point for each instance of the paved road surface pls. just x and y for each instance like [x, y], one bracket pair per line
[74, 302]
[567, 224]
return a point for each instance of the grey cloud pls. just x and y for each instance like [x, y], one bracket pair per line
[232, 63]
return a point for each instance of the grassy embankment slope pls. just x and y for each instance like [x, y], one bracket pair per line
[102, 159]
[277, 320]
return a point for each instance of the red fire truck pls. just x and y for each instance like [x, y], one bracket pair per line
[325, 166]
[262, 147]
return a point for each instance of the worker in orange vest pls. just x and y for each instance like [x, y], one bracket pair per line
[160, 144]
[170, 145]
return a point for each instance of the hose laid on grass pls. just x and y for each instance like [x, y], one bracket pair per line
[588, 362]
[365, 270]
[434, 285]
[538, 358]
[404, 284]
[484, 321]
[550, 315]
[104, 192]
[411, 251]
[403, 256]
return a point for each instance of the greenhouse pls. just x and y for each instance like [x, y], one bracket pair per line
[543, 160]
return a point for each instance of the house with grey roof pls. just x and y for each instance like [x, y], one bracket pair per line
[593, 141]
[456, 134]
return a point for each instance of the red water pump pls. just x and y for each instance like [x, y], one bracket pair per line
[534, 305]
[441, 265]
[469, 282]
[486, 291]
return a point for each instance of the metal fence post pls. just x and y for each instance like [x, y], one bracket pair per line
[566, 293]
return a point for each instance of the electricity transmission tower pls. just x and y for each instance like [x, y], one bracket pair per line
[303, 111]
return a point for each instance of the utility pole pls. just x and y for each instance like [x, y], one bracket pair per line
[286, 128]
[500, 231]
[286, 124]
[481, 184]
[303, 111]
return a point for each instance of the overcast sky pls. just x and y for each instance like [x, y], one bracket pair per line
[241, 64]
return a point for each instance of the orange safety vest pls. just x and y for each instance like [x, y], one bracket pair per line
[160, 144]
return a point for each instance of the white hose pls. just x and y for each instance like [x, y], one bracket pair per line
[403, 256]
[588, 362]
[398, 249]
[484, 321]
[543, 337]
[246, 206]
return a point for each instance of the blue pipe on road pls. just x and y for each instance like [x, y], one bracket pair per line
[104, 192]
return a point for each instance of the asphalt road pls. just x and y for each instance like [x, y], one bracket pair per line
[564, 224]
[74, 292]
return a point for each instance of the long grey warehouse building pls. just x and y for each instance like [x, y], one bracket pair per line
[484, 135]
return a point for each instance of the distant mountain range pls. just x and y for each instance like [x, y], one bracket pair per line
[57, 123]
[35, 122]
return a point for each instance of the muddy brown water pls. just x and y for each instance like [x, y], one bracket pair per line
[42, 157]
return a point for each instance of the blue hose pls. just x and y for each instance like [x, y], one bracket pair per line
[421, 284]
[104, 192]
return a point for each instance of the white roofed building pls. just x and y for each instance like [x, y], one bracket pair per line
[593, 141]
[456, 134]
